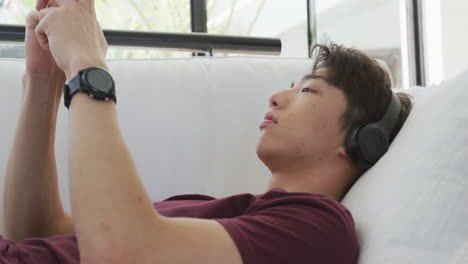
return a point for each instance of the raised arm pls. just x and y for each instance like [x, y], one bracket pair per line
[114, 218]
[31, 202]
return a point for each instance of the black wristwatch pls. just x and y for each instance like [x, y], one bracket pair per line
[94, 81]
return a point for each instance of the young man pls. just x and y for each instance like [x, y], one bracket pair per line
[297, 220]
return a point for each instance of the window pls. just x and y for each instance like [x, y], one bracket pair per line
[433, 41]
[140, 15]
[379, 27]
[286, 20]
[374, 26]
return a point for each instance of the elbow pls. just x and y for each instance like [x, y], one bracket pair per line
[114, 245]
[93, 259]
[104, 248]
[107, 256]
[95, 256]
[12, 234]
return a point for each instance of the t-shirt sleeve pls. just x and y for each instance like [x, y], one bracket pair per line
[294, 234]
[55, 249]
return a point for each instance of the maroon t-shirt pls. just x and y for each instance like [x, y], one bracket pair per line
[274, 227]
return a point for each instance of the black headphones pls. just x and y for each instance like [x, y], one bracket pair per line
[366, 143]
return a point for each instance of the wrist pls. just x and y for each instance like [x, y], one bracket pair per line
[45, 76]
[43, 87]
[82, 64]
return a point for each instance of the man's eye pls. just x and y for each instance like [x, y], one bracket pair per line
[307, 90]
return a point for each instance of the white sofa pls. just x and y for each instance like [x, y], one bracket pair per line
[192, 127]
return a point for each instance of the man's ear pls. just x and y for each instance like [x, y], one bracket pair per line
[342, 153]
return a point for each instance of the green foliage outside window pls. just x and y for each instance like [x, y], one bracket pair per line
[138, 15]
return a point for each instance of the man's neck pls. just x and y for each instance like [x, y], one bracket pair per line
[331, 181]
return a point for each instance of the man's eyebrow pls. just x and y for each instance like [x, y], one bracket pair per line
[314, 76]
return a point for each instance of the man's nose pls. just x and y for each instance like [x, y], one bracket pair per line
[272, 102]
[278, 99]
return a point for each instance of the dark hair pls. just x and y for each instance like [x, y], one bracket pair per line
[367, 86]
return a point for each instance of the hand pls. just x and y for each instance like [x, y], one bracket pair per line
[38, 60]
[72, 34]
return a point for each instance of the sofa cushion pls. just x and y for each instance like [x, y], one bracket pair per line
[411, 207]
[190, 124]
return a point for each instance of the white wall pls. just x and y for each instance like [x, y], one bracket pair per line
[454, 16]
[294, 41]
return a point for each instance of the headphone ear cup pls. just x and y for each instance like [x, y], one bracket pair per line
[366, 144]
[352, 144]
[373, 143]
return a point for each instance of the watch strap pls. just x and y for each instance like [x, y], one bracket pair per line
[71, 89]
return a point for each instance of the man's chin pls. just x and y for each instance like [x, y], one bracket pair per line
[267, 154]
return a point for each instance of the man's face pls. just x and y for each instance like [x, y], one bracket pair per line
[308, 123]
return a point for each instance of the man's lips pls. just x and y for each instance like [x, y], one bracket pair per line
[269, 119]
[270, 116]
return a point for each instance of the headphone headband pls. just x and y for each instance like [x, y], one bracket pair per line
[390, 118]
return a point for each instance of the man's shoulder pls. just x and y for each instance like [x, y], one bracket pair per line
[295, 223]
[310, 201]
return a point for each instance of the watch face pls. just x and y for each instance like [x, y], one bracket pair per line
[99, 80]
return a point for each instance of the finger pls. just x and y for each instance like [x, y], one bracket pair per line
[40, 4]
[88, 3]
[32, 19]
[31, 41]
[65, 2]
[42, 35]
[44, 12]
[53, 3]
